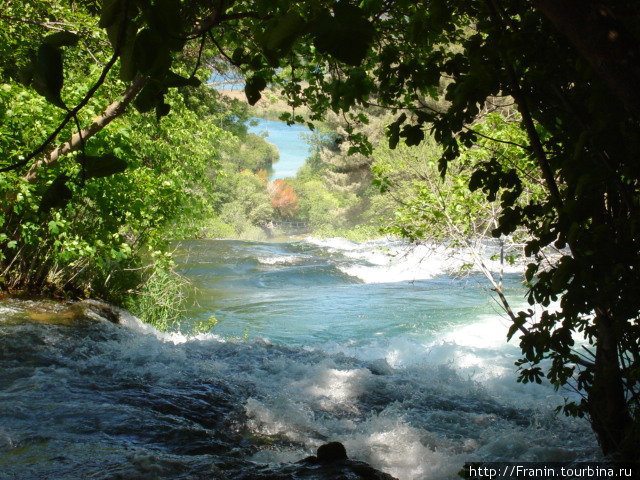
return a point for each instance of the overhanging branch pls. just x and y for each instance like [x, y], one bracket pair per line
[113, 111]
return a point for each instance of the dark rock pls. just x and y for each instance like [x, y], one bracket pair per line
[331, 452]
[332, 463]
[380, 367]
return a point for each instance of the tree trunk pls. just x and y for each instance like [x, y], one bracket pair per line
[608, 409]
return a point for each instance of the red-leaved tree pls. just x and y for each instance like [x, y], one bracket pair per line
[283, 199]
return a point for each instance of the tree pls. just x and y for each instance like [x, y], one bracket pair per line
[572, 123]
[569, 67]
[83, 227]
[573, 115]
[283, 199]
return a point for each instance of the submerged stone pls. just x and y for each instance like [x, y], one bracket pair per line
[330, 463]
[104, 310]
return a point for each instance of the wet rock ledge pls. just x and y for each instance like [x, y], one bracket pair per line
[53, 312]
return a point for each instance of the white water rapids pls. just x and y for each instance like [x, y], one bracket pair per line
[317, 341]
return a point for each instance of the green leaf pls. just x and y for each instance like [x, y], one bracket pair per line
[165, 17]
[128, 67]
[145, 51]
[113, 33]
[194, 82]
[279, 35]
[151, 54]
[162, 110]
[103, 165]
[476, 180]
[53, 227]
[173, 80]
[57, 195]
[25, 75]
[239, 56]
[150, 96]
[393, 131]
[413, 134]
[48, 74]
[253, 87]
[346, 35]
[62, 39]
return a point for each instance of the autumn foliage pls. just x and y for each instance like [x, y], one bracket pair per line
[283, 199]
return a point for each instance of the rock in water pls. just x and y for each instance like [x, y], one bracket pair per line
[331, 452]
[103, 310]
[332, 463]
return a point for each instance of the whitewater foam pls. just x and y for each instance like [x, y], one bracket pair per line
[390, 261]
[415, 397]
[419, 420]
[282, 259]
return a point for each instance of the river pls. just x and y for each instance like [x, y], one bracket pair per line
[375, 345]
[290, 142]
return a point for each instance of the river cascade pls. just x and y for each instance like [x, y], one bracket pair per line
[378, 345]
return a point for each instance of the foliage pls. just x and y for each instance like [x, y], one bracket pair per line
[86, 229]
[443, 63]
[317, 204]
[335, 190]
[240, 202]
[283, 199]
[117, 223]
[257, 154]
[587, 199]
[356, 233]
[205, 326]
[570, 69]
[160, 299]
[446, 210]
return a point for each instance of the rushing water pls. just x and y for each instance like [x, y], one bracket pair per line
[290, 142]
[373, 345]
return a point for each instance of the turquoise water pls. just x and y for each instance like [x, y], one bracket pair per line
[376, 345]
[290, 142]
[229, 81]
[304, 293]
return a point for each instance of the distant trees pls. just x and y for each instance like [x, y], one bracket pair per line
[257, 153]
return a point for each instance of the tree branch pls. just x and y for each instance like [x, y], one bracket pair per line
[506, 142]
[527, 119]
[73, 112]
[113, 111]
[222, 52]
[48, 25]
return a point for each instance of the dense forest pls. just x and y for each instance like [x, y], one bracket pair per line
[433, 121]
